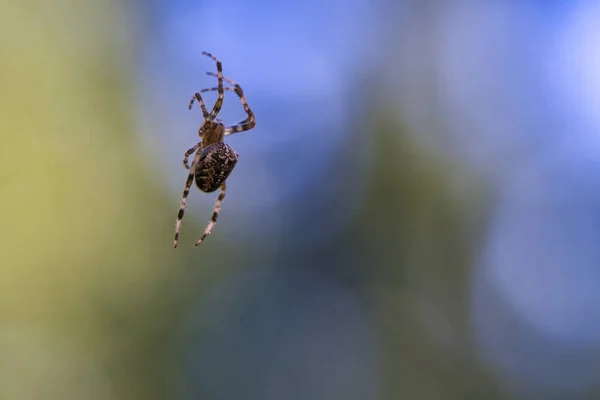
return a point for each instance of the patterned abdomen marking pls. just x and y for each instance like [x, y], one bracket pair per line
[216, 163]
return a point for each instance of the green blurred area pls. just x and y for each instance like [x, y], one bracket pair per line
[91, 288]
[84, 269]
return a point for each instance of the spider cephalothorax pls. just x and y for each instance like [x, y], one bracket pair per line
[214, 159]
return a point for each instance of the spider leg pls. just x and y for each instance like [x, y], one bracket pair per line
[189, 153]
[247, 123]
[215, 216]
[212, 89]
[197, 96]
[221, 92]
[186, 191]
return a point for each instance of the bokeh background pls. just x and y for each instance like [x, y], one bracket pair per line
[415, 216]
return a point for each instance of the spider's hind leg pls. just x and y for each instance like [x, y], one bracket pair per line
[186, 192]
[215, 216]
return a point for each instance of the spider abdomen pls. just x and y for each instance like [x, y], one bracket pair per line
[216, 162]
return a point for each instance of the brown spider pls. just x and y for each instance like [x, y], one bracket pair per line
[214, 159]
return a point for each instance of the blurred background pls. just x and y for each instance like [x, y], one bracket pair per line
[415, 216]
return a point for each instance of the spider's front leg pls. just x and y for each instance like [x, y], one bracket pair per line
[250, 121]
[197, 97]
[220, 91]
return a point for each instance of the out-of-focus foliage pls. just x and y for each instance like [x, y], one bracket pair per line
[85, 293]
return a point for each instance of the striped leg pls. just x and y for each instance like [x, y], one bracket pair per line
[186, 192]
[220, 91]
[189, 153]
[247, 123]
[215, 216]
[197, 96]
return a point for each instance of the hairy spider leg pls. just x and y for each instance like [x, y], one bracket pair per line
[220, 91]
[197, 97]
[215, 215]
[186, 192]
[188, 153]
[250, 121]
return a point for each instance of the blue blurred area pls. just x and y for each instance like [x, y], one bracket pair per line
[280, 333]
[540, 266]
[508, 91]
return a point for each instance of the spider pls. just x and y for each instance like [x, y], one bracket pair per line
[214, 159]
